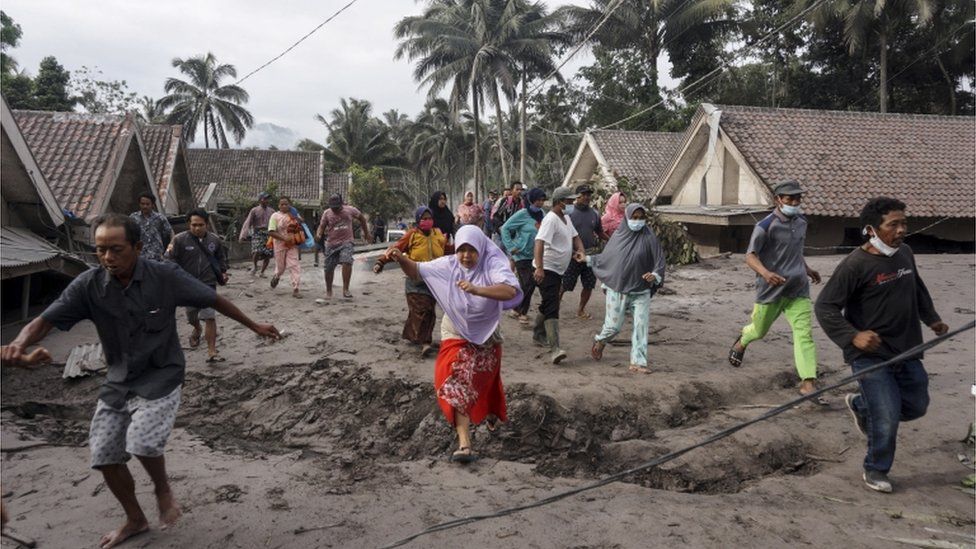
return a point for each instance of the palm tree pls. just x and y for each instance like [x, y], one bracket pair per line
[439, 146]
[649, 28]
[203, 99]
[867, 19]
[149, 110]
[356, 137]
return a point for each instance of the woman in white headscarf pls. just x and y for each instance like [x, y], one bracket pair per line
[632, 268]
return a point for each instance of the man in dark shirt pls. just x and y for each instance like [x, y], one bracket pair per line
[590, 229]
[872, 308]
[132, 302]
[776, 255]
[200, 253]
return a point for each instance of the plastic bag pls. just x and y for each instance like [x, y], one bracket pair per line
[309, 243]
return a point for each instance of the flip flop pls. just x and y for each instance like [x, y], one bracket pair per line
[492, 424]
[639, 369]
[596, 351]
[347, 296]
[463, 455]
[584, 316]
[215, 358]
[736, 357]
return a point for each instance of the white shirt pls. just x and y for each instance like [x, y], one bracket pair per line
[558, 236]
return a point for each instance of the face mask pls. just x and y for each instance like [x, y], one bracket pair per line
[878, 243]
[534, 209]
[426, 224]
[789, 211]
[569, 208]
[636, 224]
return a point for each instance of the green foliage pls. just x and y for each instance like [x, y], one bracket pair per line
[102, 96]
[150, 111]
[372, 195]
[357, 137]
[51, 87]
[202, 100]
[18, 90]
[10, 34]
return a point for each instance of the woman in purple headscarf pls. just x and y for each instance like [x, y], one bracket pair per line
[472, 286]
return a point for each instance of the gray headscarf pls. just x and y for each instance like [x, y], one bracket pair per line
[628, 255]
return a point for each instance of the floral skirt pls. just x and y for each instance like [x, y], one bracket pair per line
[259, 243]
[468, 380]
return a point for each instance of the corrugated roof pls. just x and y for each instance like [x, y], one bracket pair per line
[642, 157]
[20, 247]
[242, 174]
[78, 153]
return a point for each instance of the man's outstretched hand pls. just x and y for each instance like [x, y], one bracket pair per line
[267, 330]
[13, 355]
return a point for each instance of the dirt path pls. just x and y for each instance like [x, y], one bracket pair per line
[332, 438]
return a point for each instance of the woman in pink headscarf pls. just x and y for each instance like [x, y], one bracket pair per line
[469, 213]
[472, 286]
[613, 213]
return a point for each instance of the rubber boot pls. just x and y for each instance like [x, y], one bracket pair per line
[552, 334]
[539, 331]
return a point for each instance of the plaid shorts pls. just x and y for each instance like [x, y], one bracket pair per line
[140, 428]
[334, 255]
[577, 270]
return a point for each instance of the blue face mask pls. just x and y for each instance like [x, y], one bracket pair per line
[789, 211]
[569, 208]
[534, 209]
[636, 224]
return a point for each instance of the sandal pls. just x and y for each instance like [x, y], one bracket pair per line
[463, 455]
[523, 320]
[596, 351]
[736, 357]
[215, 358]
[639, 369]
[492, 424]
[584, 315]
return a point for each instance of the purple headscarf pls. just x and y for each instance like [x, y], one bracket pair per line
[475, 318]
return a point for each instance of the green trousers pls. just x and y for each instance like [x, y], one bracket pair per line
[799, 313]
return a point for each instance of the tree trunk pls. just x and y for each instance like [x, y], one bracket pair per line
[500, 134]
[522, 131]
[883, 84]
[206, 138]
[477, 145]
[951, 83]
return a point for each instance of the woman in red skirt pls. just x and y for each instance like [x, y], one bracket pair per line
[473, 287]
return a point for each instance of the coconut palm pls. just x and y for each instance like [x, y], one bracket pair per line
[870, 23]
[439, 146]
[356, 137]
[202, 99]
[149, 110]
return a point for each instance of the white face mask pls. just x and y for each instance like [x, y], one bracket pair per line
[789, 211]
[878, 243]
[636, 224]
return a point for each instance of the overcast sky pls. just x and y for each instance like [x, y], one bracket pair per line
[136, 41]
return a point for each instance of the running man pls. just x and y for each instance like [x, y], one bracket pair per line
[255, 227]
[782, 287]
[336, 228]
[872, 308]
[132, 303]
[556, 244]
[586, 221]
[199, 253]
[153, 226]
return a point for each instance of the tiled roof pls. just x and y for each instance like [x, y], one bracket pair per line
[642, 157]
[162, 144]
[336, 183]
[78, 153]
[242, 174]
[843, 158]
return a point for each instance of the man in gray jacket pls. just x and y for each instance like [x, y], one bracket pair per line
[199, 253]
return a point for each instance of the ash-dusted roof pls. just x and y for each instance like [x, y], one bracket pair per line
[81, 155]
[843, 158]
[25, 252]
[164, 150]
[242, 174]
[642, 157]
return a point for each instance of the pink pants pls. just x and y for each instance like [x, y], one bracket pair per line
[287, 258]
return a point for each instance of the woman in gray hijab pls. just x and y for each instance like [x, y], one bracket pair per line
[631, 268]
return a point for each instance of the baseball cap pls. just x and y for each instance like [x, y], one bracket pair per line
[584, 189]
[335, 201]
[563, 193]
[264, 194]
[788, 188]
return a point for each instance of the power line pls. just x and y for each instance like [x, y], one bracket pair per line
[913, 352]
[300, 40]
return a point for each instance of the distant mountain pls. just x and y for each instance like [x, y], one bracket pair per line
[266, 134]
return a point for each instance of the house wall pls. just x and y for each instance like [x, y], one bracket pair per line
[728, 179]
[131, 182]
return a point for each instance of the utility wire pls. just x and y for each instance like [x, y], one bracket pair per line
[300, 40]
[913, 352]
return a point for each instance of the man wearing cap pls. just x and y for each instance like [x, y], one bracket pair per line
[336, 228]
[587, 222]
[782, 287]
[556, 245]
[256, 226]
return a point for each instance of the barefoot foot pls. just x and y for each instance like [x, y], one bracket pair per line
[169, 510]
[126, 531]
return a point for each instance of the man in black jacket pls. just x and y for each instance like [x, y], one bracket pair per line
[872, 308]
